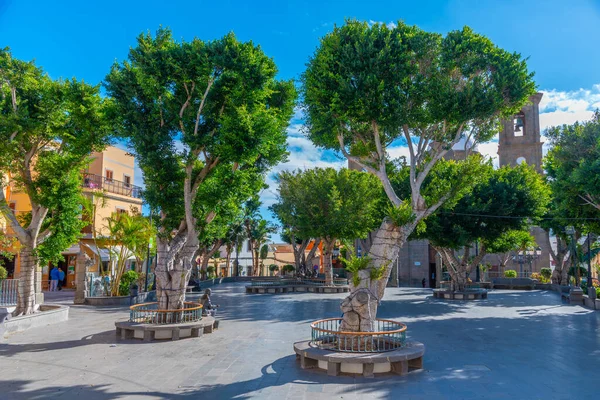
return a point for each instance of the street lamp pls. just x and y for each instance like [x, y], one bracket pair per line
[570, 230]
[527, 256]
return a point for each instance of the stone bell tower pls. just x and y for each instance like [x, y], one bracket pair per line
[520, 139]
[520, 142]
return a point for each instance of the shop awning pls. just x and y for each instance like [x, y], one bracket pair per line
[103, 253]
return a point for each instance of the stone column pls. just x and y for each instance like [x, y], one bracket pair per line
[39, 295]
[81, 291]
[393, 280]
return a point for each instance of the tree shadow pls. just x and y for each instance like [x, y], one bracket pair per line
[276, 374]
[106, 337]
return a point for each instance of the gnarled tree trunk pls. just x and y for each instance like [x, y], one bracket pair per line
[173, 270]
[26, 286]
[560, 275]
[460, 269]
[360, 307]
[329, 243]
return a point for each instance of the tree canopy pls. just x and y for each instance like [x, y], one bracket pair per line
[497, 214]
[328, 204]
[193, 111]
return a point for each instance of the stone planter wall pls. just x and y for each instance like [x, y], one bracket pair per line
[467, 295]
[120, 300]
[48, 314]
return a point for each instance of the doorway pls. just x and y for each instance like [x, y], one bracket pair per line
[432, 276]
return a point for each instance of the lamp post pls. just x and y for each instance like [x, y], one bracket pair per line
[148, 258]
[570, 230]
[589, 278]
[527, 256]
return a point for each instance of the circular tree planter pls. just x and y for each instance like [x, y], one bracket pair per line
[470, 294]
[383, 351]
[291, 285]
[148, 323]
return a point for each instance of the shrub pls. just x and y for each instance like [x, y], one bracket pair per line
[288, 268]
[510, 273]
[127, 279]
[582, 271]
[273, 268]
[536, 276]
[210, 271]
[598, 292]
[546, 274]
[3, 273]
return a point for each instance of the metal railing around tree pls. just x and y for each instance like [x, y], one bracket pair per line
[387, 335]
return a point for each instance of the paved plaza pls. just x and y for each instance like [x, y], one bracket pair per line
[515, 345]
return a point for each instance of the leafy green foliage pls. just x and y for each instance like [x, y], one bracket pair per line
[403, 75]
[507, 200]
[48, 128]
[327, 203]
[221, 100]
[546, 273]
[264, 251]
[3, 273]
[273, 268]
[288, 268]
[128, 278]
[353, 264]
[128, 235]
[510, 273]
[510, 241]
[573, 170]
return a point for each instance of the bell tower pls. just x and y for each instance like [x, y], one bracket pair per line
[520, 139]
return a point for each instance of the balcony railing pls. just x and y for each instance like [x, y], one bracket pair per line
[92, 181]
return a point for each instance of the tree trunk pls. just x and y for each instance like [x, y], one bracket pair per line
[173, 269]
[329, 244]
[560, 275]
[26, 286]
[228, 259]
[360, 307]
[308, 260]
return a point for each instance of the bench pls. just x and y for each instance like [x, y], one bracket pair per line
[150, 332]
[513, 283]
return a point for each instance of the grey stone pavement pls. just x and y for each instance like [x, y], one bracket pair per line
[514, 345]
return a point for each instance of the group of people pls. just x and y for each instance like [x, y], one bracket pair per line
[57, 277]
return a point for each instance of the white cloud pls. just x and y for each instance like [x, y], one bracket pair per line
[559, 107]
[390, 25]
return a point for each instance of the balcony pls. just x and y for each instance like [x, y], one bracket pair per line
[92, 181]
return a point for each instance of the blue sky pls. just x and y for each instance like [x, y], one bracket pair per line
[83, 38]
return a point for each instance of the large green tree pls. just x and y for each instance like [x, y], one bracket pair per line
[48, 128]
[505, 200]
[573, 169]
[368, 86]
[217, 100]
[328, 204]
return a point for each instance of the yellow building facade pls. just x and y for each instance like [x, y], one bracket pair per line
[108, 184]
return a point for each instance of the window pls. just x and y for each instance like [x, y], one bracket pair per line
[249, 246]
[13, 206]
[127, 180]
[519, 121]
[121, 211]
[109, 175]
[521, 160]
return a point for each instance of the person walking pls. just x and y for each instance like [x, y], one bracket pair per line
[61, 278]
[54, 275]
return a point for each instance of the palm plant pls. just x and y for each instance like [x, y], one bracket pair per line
[128, 236]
